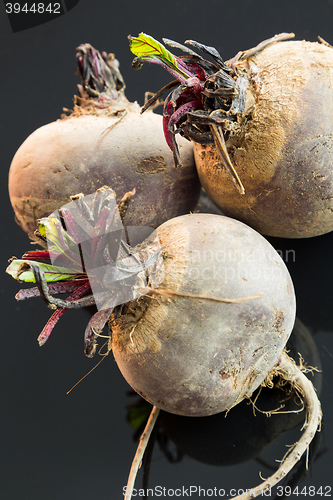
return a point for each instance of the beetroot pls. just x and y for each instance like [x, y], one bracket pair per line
[104, 141]
[229, 348]
[200, 311]
[216, 331]
[261, 126]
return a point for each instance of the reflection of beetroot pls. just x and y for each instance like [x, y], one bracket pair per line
[240, 435]
[104, 141]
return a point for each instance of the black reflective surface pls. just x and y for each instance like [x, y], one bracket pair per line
[79, 446]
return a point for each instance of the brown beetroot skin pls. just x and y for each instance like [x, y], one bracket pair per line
[197, 357]
[283, 148]
[119, 148]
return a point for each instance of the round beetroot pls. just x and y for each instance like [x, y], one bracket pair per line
[214, 307]
[198, 357]
[282, 145]
[261, 125]
[104, 141]
[192, 353]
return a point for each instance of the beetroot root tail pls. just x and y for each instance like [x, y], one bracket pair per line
[289, 371]
[140, 452]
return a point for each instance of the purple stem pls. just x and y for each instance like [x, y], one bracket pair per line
[170, 122]
[62, 287]
[181, 78]
[71, 225]
[182, 110]
[167, 134]
[36, 255]
[73, 257]
[199, 71]
[46, 332]
[94, 327]
[45, 256]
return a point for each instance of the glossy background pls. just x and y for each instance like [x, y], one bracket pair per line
[55, 446]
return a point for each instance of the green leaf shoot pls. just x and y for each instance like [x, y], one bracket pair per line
[19, 270]
[146, 47]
